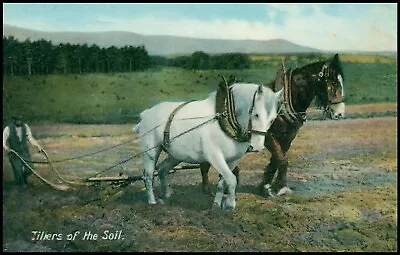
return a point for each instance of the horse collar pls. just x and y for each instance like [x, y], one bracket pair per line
[225, 109]
[288, 111]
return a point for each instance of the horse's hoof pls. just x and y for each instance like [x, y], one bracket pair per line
[267, 191]
[284, 191]
[163, 201]
[152, 202]
[227, 208]
[216, 207]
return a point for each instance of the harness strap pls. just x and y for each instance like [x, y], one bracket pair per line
[231, 107]
[166, 141]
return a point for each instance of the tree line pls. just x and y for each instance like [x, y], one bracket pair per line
[43, 57]
[200, 60]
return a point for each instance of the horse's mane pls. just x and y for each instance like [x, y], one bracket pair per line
[335, 67]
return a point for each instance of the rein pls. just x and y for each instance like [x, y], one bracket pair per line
[24, 161]
[58, 187]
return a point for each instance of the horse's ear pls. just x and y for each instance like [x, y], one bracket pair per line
[260, 89]
[337, 65]
[279, 94]
[336, 58]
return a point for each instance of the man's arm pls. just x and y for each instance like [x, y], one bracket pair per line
[31, 139]
[6, 134]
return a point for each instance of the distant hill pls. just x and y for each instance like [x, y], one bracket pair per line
[160, 44]
[173, 45]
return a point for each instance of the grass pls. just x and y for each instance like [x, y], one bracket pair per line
[119, 97]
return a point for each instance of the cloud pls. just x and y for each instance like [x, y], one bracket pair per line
[319, 30]
[344, 30]
[372, 27]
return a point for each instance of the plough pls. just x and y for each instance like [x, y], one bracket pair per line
[120, 181]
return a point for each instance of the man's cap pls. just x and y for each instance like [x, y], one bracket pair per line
[16, 116]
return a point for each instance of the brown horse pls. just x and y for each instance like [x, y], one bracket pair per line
[323, 80]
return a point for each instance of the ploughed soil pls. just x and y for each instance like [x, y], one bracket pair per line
[343, 175]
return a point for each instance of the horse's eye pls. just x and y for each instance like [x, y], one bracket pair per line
[256, 115]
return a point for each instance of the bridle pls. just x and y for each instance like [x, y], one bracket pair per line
[242, 136]
[331, 100]
[250, 129]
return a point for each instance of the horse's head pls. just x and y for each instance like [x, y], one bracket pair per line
[331, 97]
[266, 106]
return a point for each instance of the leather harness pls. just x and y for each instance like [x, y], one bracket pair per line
[167, 129]
[225, 114]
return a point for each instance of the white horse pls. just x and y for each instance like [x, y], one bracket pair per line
[196, 137]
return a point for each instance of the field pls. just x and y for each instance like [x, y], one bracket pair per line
[343, 174]
[118, 98]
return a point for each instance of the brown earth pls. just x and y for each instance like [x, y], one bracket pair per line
[343, 175]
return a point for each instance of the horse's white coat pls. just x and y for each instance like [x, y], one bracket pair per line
[206, 143]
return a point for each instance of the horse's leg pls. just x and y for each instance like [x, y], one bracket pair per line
[236, 171]
[149, 162]
[281, 179]
[219, 195]
[269, 173]
[274, 147]
[205, 168]
[163, 170]
[218, 162]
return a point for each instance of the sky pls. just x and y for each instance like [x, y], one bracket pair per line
[332, 27]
